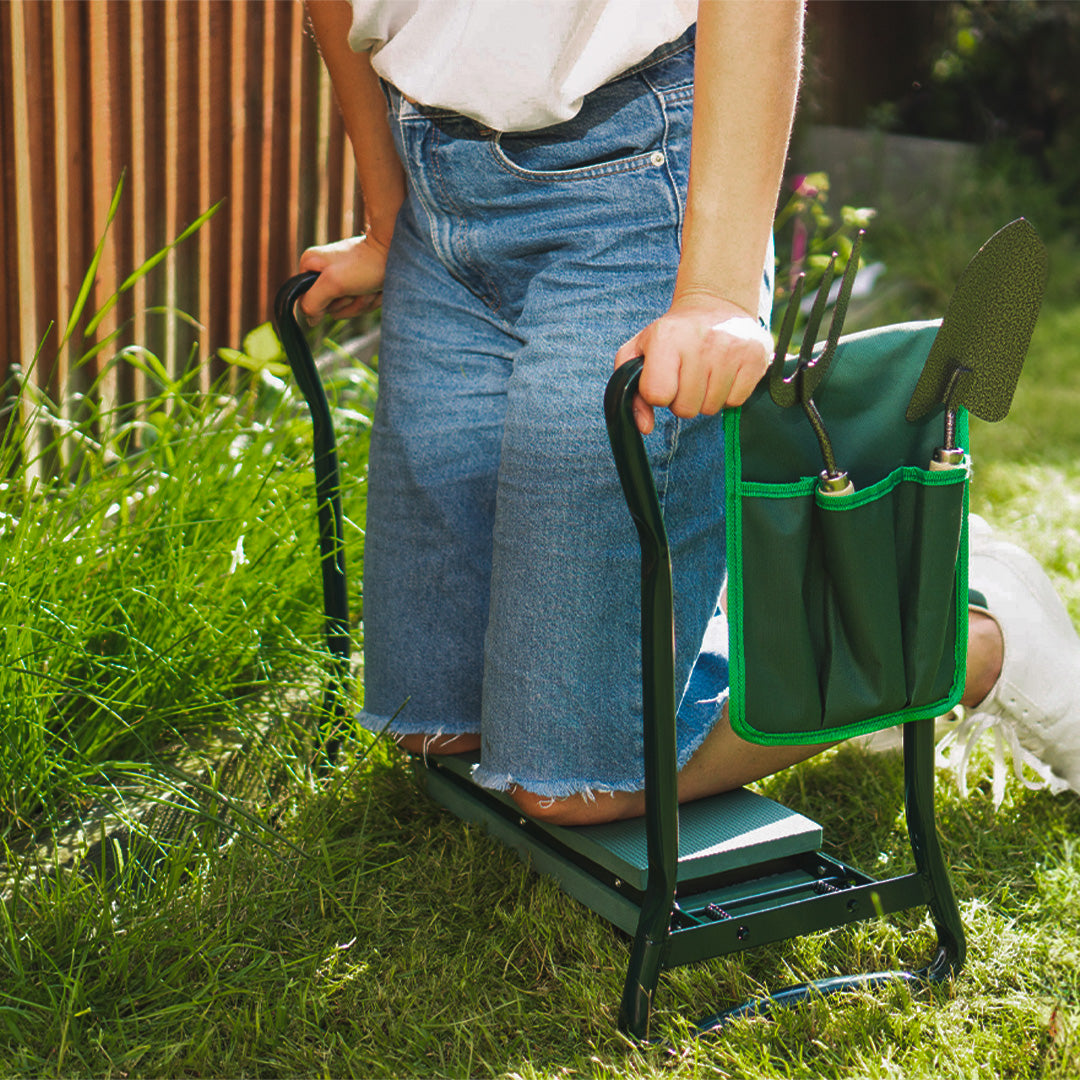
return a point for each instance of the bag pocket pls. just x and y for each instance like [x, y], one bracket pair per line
[847, 617]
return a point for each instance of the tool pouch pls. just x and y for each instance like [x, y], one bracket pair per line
[846, 613]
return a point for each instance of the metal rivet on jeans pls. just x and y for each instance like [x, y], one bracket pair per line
[657, 157]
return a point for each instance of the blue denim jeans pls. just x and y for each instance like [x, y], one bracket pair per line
[501, 574]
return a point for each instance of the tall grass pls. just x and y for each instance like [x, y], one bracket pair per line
[134, 602]
[158, 577]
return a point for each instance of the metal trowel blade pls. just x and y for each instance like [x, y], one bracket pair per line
[987, 327]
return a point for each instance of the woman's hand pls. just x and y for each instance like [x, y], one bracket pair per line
[351, 274]
[703, 354]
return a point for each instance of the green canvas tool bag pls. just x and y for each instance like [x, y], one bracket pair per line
[846, 613]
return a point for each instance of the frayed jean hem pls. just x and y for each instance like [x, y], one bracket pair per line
[393, 726]
[501, 780]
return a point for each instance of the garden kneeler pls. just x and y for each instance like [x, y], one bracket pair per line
[873, 584]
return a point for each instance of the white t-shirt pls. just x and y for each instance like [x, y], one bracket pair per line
[513, 65]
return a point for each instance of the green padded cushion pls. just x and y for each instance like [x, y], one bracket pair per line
[719, 834]
[716, 835]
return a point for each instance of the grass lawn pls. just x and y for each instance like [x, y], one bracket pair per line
[403, 943]
[364, 932]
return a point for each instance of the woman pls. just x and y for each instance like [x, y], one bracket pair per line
[551, 188]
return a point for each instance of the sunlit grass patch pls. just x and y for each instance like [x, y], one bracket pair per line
[348, 927]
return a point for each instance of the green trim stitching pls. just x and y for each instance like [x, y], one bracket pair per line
[963, 436]
[904, 474]
[759, 489]
[733, 527]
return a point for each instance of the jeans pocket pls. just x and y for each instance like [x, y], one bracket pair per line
[550, 161]
[619, 127]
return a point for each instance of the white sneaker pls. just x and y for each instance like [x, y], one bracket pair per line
[1035, 705]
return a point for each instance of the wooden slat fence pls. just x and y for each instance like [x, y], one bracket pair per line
[192, 102]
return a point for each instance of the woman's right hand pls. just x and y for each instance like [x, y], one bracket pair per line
[350, 281]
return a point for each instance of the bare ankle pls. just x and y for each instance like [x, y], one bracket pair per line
[597, 809]
[985, 654]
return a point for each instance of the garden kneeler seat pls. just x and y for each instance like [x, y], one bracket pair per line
[736, 870]
[723, 839]
[847, 611]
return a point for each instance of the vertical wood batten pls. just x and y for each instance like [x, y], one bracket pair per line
[119, 49]
[260, 271]
[324, 108]
[251, 193]
[41, 154]
[11, 319]
[10, 330]
[53, 354]
[81, 233]
[219, 137]
[308, 146]
[21, 224]
[202, 29]
[335, 169]
[280, 206]
[237, 82]
[135, 181]
[186, 177]
[153, 170]
[297, 37]
[98, 123]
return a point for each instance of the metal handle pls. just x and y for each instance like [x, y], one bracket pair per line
[658, 694]
[328, 501]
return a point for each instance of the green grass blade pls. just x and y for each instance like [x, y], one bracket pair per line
[91, 274]
[141, 272]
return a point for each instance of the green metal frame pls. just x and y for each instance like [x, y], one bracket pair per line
[328, 501]
[661, 941]
[674, 922]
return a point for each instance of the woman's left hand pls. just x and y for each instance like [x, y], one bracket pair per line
[703, 354]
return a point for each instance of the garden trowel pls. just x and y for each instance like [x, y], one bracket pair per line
[975, 360]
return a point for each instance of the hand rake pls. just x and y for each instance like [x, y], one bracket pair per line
[799, 386]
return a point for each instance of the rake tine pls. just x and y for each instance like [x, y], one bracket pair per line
[808, 372]
[817, 313]
[791, 313]
[847, 283]
[782, 390]
[836, 325]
